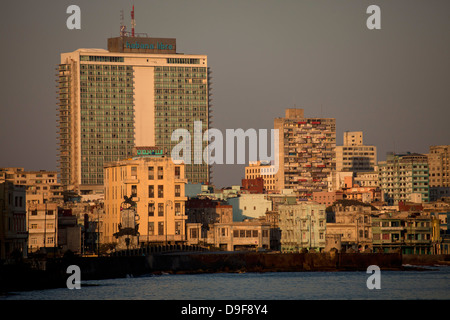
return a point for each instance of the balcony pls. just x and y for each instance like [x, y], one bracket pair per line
[392, 228]
[131, 180]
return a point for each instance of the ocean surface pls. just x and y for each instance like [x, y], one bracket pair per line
[433, 283]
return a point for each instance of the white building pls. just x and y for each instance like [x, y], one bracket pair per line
[249, 206]
[303, 226]
[354, 155]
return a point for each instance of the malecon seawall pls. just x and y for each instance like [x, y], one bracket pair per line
[22, 277]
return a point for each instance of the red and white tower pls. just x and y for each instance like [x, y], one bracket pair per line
[133, 22]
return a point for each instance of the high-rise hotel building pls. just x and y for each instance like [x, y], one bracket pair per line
[306, 152]
[136, 93]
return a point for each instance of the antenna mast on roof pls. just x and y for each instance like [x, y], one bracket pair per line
[133, 22]
[123, 28]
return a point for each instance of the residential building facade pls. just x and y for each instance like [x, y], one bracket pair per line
[249, 206]
[353, 226]
[302, 226]
[13, 220]
[42, 226]
[439, 167]
[403, 175]
[404, 232]
[354, 155]
[306, 153]
[41, 186]
[266, 171]
[232, 236]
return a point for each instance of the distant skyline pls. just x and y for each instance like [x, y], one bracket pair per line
[265, 56]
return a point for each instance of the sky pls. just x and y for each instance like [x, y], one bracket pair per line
[266, 55]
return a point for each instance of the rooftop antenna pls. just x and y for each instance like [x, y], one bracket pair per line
[123, 28]
[133, 22]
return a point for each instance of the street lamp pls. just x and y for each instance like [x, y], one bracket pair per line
[168, 203]
[151, 204]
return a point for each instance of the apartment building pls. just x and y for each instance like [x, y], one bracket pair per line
[13, 221]
[266, 171]
[404, 175]
[41, 186]
[409, 233]
[306, 152]
[42, 226]
[439, 168]
[302, 226]
[354, 156]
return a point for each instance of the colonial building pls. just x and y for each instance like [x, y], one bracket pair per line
[13, 221]
[352, 225]
[409, 233]
[302, 226]
[156, 184]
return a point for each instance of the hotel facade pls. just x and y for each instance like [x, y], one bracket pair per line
[136, 93]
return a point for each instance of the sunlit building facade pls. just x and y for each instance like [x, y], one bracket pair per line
[136, 93]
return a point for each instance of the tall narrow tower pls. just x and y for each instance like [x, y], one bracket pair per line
[133, 22]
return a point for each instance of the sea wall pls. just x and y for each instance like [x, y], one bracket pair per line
[426, 259]
[275, 262]
[23, 277]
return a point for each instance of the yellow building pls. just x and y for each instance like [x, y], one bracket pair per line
[265, 171]
[157, 185]
[41, 186]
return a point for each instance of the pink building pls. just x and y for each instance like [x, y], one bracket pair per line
[327, 198]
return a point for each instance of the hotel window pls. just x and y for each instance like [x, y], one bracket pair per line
[134, 191]
[160, 173]
[177, 209]
[160, 191]
[177, 190]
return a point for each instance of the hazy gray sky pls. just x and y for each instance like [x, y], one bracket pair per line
[393, 84]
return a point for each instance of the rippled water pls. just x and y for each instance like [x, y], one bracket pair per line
[433, 284]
